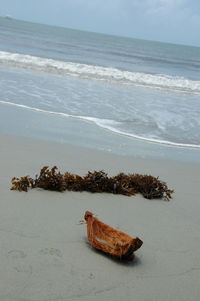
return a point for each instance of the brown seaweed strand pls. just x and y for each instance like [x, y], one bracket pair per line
[97, 181]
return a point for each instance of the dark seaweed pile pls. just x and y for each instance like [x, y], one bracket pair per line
[97, 181]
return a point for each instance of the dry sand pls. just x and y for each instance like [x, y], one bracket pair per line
[44, 253]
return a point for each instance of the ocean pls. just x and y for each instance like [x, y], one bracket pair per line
[143, 90]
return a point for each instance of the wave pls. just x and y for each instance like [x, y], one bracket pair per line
[159, 81]
[105, 124]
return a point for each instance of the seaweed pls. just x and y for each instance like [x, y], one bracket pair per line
[50, 179]
[97, 181]
[22, 184]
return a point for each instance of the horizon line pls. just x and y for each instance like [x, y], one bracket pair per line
[10, 17]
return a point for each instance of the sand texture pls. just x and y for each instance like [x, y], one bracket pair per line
[44, 252]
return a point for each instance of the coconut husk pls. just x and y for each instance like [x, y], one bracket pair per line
[109, 240]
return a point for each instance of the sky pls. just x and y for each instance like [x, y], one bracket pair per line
[175, 21]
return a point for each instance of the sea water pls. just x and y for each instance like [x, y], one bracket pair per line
[139, 89]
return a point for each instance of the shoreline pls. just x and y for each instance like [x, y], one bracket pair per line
[135, 86]
[44, 250]
[27, 123]
[95, 122]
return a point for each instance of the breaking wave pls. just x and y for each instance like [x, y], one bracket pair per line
[159, 81]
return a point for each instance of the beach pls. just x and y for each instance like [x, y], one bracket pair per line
[44, 251]
[84, 101]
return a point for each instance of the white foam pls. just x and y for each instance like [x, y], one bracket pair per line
[160, 81]
[103, 123]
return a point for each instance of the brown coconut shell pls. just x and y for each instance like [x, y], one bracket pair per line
[109, 240]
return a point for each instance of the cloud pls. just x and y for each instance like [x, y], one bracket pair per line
[158, 6]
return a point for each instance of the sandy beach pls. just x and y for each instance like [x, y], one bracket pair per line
[44, 252]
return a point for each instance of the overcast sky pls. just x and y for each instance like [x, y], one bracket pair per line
[176, 21]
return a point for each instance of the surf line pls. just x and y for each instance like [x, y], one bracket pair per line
[97, 122]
